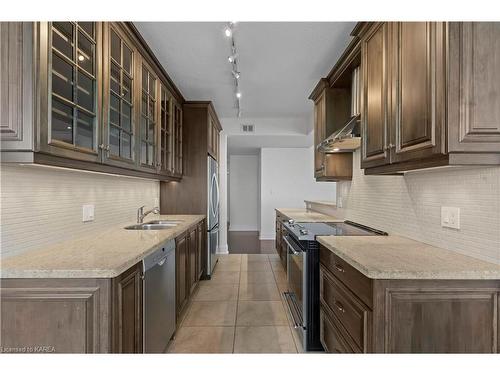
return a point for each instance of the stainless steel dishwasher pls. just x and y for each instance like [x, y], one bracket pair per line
[159, 298]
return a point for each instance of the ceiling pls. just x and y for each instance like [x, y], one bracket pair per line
[280, 62]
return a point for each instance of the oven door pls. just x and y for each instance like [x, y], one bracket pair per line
[295, 296]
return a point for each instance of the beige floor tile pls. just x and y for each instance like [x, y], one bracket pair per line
[297, 340]
[273, 257]
[259, 292]
[255, 258]
[225, 277]
[280, 276]
[216, 292]
[228, 258]
[277, 339]
[204, 313]
[261, 313]
[255, 266]
[277, 265]
[203, 340]
[228, 266]
[257, 277]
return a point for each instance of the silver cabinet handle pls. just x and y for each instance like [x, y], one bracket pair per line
[339, 306]
[295, 252]
[339, 268]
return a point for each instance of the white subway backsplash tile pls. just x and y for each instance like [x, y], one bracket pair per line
[40, 205]
[410, 206]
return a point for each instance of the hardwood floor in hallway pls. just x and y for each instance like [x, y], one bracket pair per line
[248, 242]
[240, 310]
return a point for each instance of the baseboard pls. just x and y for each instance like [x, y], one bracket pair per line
[267, 236]
[242, 228]
[223, 250]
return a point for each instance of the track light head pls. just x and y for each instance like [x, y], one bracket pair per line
[228, 32]
[238, 94]
[232, 58]
[236, 74]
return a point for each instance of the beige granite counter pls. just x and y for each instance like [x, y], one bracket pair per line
[102, 254]
[305, 215]
[394, 257]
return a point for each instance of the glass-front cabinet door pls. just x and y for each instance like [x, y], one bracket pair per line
[165, 133]
[148, 124]
[119, 132]
[70, 73]
[177, 139]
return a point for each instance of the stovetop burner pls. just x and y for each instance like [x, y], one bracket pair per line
[309, 231]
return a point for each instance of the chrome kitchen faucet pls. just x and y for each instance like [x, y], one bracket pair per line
[141, 214]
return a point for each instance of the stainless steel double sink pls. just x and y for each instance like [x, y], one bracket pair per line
[155, 225]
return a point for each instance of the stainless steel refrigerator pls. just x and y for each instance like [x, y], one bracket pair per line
[212, 214]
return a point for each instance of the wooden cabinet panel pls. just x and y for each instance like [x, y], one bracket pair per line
[375, 131]
[331, 336]
[358, 283]
[418, 57]
[127, 311]
[350, 312]
[181, 256]
[201, 249]
[475, 69]
[441, 321]
[193, 249]
[55, 315]
[319, 132]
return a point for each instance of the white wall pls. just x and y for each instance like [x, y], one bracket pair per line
[287, 178]
[43, 205]
[243, 197]
[223, 185]
[411, 206]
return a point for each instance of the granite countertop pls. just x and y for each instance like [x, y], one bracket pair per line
[394, 257]
[305, 215]
[101, 254]
[323, 203]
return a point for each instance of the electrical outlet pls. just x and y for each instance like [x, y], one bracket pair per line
[450, 217]
[88, 212]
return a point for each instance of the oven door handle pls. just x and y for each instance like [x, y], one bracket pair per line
[290, 246]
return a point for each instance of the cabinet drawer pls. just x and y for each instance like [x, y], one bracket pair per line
[331, 337]
[358, 283]
[352, 313]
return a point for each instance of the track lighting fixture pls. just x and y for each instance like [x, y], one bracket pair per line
[232, 58]
[236, 74]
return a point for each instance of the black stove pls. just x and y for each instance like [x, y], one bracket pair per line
[309, 231]
[302, 295]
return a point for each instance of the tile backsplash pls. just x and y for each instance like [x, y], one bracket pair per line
[43, 205]
[410, 206]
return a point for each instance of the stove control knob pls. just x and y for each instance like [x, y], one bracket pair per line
[304, 231]
[291, 221]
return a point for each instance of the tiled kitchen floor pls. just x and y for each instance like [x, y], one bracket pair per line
[240, 310]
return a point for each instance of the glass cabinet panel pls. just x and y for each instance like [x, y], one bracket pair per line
[121, 129]
[177, 139]
[165, 142]
[73, 84]
[148, 118]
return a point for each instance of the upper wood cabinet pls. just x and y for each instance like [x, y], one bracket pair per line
[88, 95]
[428, 95]
[213, 131]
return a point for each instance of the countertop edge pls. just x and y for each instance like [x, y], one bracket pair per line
[90, 274]
[407, 275]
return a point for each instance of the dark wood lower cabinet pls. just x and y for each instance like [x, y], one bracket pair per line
[406, 316]
[189, 254]
[127, 305]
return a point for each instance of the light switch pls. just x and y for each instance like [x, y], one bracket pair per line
[88, 212]
[450, 217]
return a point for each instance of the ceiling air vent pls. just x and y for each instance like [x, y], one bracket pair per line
[247, 128]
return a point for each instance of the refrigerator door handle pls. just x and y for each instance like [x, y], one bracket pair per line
[218, 196]
[213, 182]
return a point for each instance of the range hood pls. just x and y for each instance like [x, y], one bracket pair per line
[348, 137]
[344, 140]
